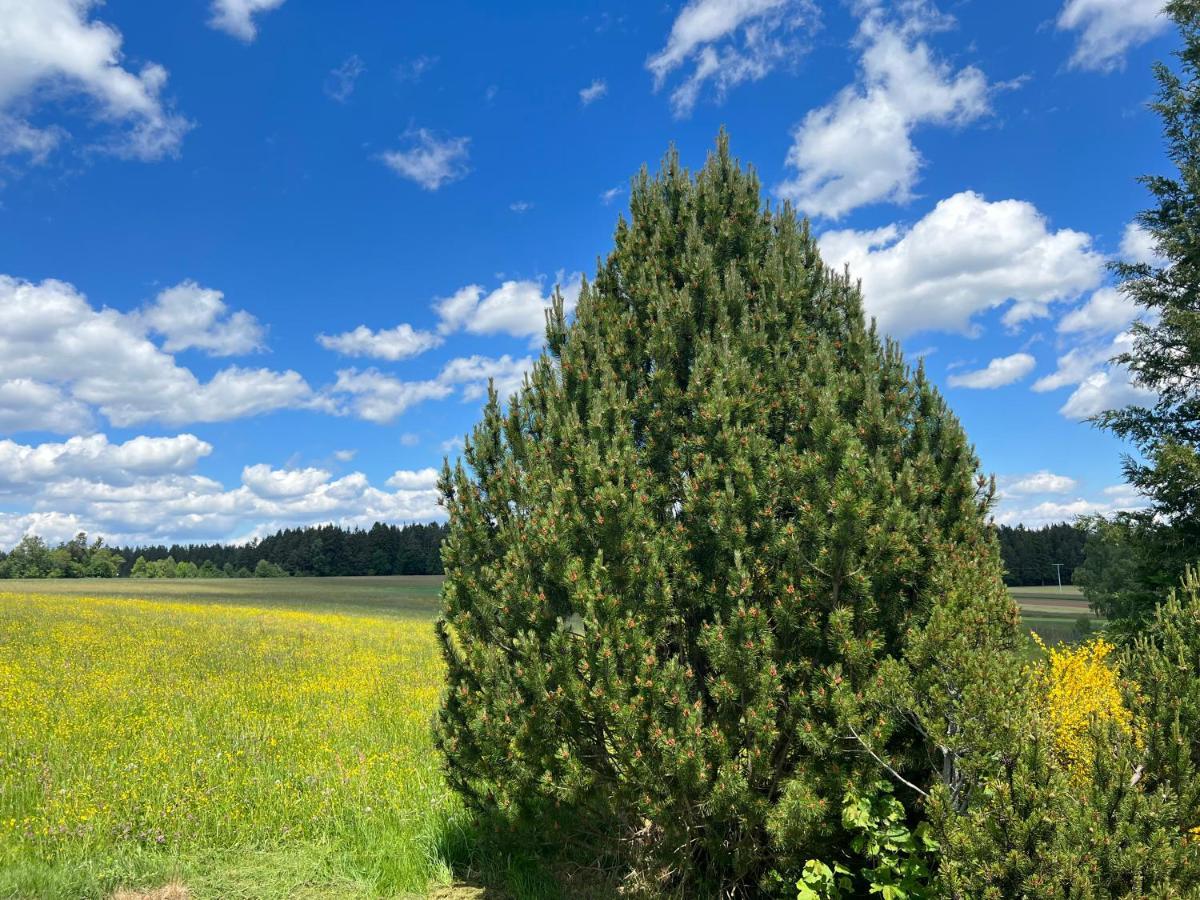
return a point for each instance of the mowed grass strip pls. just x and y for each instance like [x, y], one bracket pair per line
[242, 751]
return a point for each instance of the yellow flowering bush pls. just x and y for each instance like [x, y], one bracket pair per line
[1075, 688]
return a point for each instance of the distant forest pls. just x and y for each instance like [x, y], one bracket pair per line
[319, 550]
[1030, 554]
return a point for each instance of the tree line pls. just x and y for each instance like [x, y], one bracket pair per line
[321, 550]
[1029, 554]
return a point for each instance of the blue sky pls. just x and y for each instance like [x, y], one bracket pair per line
[259, 257]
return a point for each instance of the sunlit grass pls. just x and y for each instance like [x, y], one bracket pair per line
[143, 740]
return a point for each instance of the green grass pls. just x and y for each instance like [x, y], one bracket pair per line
[248, 738]
[402, 595]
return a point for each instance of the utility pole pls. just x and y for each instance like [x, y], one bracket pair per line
[1058, 569]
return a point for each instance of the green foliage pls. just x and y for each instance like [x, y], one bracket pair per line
[76, 558]
[893, 861]
[266, 569]
[681, 557]
[1034, 825]
[1165, 354]
[1164, 664]
[1034, 831]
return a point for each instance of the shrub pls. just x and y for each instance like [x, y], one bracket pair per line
[679, 559]
[1076, 690]
[1066, 805]
[1164, 660]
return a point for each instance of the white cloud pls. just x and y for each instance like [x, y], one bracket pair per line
[28, 405]
[193, 317]
[607, 197]
[342, 80]
[425, 479]
[54, 344]
[52, 49]
[1099, 385]
[1137, 246]
[593, 92]
[75, 491]
[380, 398]
[473, 373]
[276, 484]
[1051, 512]
[1112, 388]
[430, 161]
[345, 455]
[1108, 29]
[966, 256]
[999, 372]
[1107, 311]
[1043, 482]
[859, 149]
[520, 206]
[23, 466]
[393, 344]
[236, 17]
[728, 42]
[517, 308]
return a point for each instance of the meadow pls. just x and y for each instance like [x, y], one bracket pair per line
[254, 738]
[243, 750]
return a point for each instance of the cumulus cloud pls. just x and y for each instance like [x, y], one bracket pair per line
[859, 149]
[1099, 384]
[430, 161]
[193, 317]
[1137, 246]
[1108, 310]
[424, 479]
[24, 466]
[999, 372]
[28, 405]
[54, 344]
[1017, 511]
[380, 398]
[54, 50]
[593, 92]
[967, 256]
[516, 308]
[236, 17]
[474, 372]
[393, 344]
[102, 492]
[1108, 29]
[727, 42]
[1043, 482]
[278, 484]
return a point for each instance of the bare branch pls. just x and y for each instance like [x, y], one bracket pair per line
[893, 772]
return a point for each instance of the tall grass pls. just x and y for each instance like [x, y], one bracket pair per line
[246, 751]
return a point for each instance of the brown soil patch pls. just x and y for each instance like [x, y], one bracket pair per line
[174, 891]
[460, 892]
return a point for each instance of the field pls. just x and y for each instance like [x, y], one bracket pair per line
[246, 751]
[257, 738]
[1055, 614]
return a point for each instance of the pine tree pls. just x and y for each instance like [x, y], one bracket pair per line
[1165, 355]
[687, 545]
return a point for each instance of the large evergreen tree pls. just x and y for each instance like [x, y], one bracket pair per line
[1165, 355]
[681, 554]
